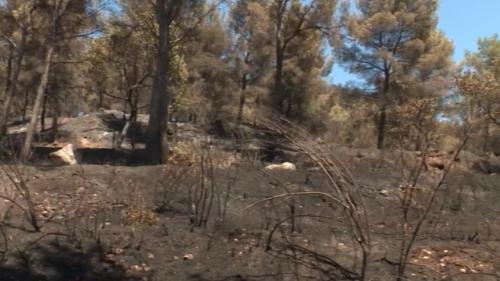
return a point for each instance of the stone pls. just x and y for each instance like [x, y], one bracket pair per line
[286, 166]
[188, 257]
[65, 155]
[384, 192]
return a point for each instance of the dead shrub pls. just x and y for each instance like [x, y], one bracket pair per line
[213, 187]
[343, 199]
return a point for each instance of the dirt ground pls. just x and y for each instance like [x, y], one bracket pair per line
[105, 223]
[108, 222]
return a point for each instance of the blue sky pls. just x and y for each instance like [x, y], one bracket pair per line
[463, 21]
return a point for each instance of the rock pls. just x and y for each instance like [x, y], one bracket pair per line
[286, 166]
[342, 246]
[435, 162]
[65, 155]
[384, 192]
[188, 257]
[118, 251]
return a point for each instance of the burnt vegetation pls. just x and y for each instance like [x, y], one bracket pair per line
[204, 140]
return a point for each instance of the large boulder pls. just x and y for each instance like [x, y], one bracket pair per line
[64, 156]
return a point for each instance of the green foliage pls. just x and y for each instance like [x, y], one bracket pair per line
[210, 82]
[395, 47]
[263, 56]
[122, 58]
[479, 86]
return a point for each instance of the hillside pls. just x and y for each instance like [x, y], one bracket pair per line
[249, 140]
[168, 222]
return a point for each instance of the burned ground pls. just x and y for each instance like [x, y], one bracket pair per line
[111, 216]
[118, 222]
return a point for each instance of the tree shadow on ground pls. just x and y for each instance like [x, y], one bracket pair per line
[56, 262]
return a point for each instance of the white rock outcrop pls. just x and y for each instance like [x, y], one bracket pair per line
[65, 155]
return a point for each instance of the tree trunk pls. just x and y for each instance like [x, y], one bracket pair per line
[381, 127]
[12, 87]
[289, 105]
[101, 99]
[279, 95]
[25, 104]
[134, 112]
[486, 132]
[243, 97]
[418, 144]
[55, 119]
[131, 122]
[243, 94]
[122, 135]
[486, 137]
[25, 153]
[157, 142]
[8, 75]
[55, 127]
[383, 111]
[44, 112]
[7, 98]
[257, 110]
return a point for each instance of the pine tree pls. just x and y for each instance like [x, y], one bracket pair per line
[479, 85]
[252, 51]
[385, 41]
[285, 39]
[56, 24]
[16, 27]
[290, 21]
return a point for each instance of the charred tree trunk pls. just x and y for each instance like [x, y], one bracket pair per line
[257, 110]
[243, 94]
[383, 111]
[243, 97]
[8, 75]
[8, 82]
[381, 127]
[279, 95]
[26, 150]
[130, 123]
[289, 105]
[134, 112]
[25, 104]
[44, 112]
[101, 99]
[157, 142]
[56, 112]
[486, 132]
